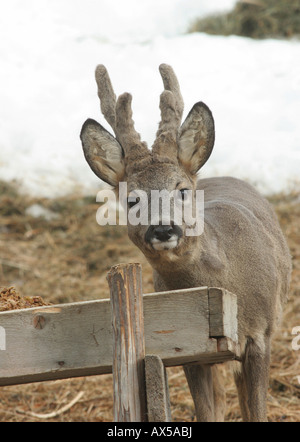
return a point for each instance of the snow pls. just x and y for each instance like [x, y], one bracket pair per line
[37, 211]
[49, 50]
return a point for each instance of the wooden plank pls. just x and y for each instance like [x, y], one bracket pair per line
[183, 336]
[125, 282]
[71, 338]
[222, 314]
[76, 339]
[157, 390]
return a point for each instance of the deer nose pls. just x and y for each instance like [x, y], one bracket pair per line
[163, 233]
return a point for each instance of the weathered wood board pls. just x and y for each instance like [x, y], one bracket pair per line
[157, 390]
[223, 314]
[71, 340]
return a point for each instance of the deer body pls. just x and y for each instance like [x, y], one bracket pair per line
[241, 249]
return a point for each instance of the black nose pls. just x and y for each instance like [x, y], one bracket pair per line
[163, 233]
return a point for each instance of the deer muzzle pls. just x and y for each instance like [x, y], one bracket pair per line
[163, 237]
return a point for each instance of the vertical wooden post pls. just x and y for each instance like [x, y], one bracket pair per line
[125, 282]
[158, 399]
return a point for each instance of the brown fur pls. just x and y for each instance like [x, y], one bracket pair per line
[242, 248]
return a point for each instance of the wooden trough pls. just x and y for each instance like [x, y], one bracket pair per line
[135, 336]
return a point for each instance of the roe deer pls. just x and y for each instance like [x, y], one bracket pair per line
[242, 248]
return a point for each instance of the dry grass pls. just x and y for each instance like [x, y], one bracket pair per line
[255, 19]
[66, 259]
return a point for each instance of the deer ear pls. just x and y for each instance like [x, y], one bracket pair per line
[103, 152]
[196, 138]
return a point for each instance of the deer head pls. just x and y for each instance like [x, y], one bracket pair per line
[178, 153]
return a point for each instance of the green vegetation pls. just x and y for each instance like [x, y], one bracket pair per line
[255, 19]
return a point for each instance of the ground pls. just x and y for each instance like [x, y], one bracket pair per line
[66, 257]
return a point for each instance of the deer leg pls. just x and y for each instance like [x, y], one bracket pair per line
[219, 394]
[255, 371]
[243, 395]
[206, 392]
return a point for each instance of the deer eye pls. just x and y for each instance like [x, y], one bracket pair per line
[132, 201]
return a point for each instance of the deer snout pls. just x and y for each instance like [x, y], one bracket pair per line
[163, 237]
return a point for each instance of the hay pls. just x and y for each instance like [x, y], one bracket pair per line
[11, 300]
[255, 19]
[66, 259]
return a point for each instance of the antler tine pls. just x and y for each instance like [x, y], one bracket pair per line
[171, 84]
[117, 112]
[171, 102]
[124, 122]
[106, 95]
[171, 107]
